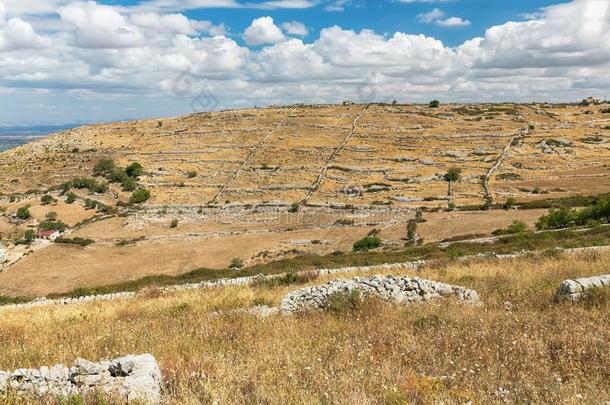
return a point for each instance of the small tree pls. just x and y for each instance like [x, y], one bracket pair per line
[29, 236]
[453, 174]
[434, 104]
[191, 174]
[174, 223]
[412, 232]
[51, 216]
[24, 212]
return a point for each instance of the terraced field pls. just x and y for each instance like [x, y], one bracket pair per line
[228, 180]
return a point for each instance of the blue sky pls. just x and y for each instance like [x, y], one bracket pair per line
[82, 61]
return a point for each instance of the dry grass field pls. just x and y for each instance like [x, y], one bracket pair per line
[520, 347]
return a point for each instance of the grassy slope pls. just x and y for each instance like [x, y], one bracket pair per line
[535, 350]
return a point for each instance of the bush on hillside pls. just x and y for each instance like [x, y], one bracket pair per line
[139, 196]
[367, 243]
[24, 212]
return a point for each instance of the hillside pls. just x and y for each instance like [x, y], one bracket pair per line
[223, 184]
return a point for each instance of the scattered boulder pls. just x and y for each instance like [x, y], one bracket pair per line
[574, 290]
[399, 289]
[131, 378]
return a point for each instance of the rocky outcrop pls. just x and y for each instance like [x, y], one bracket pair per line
[402, 290]
[574, 290]
[128, 379]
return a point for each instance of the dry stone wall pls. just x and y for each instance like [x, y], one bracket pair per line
[402, 290]
[129, 379]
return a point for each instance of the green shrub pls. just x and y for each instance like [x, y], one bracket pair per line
[342, 302]
[236, 264]
[294, 207]
[139, 196]
[129, 184]
[52, 226]
[103, 167]
[70, 198]
[51, 216]
[434, 104]
[509, 203]
[90, 204]
[557, 219]
[74, 241]
[47, 199]
[174, 223]
[514, 228]
[367, 243]
[29, 236]
[24, 212]
[134, 170]
[191, 174]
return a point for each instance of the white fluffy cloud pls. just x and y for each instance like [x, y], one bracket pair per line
[438, 16]
[99, 52]
[263, 31]
[18, 34]
[295, 28]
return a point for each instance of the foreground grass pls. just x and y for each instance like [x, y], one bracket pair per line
[569, 238]
[519, 347]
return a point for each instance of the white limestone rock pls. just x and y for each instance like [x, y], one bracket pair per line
[574, 290]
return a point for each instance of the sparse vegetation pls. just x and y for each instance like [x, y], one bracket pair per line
[294, 207]
[514, 228]
[236, 264]
[74, 241]
[174, 223]
[191, 174]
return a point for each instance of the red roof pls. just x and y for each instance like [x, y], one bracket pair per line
[43, 234]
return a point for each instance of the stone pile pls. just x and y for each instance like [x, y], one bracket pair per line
[399, 289]
[574, 290]
[127, 379]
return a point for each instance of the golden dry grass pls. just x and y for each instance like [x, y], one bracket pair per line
[520, 346]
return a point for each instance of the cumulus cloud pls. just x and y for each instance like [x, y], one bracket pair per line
[103, 52]
[18, 34]
[263, 31]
